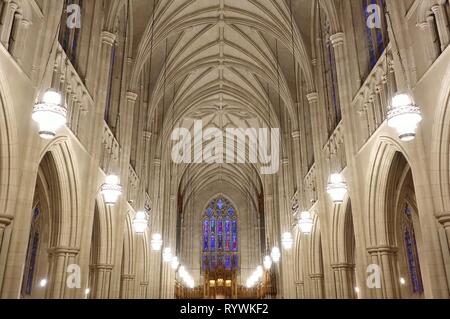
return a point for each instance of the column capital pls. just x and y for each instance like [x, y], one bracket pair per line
[13, 5]
[103, 267]
[443, 218]
[337, 39]
[436, 9]
[285, 161]
[64, 251]
[108, 38]
[316, 276]
[5, 220]
[296, 134]
[382, 249]
[128, 277]
[343, 266]
[131, 96]
[147, 135]
[312, 97]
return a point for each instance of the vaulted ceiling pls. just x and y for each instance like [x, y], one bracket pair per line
[229, 63]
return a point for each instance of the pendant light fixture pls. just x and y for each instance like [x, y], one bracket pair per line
[167, 255]
[337, 188]
[50, 114]
[156, 242]
[305, 223]
[275, 254]
[403, 113]
[287, 241]
[140, 222]
[111, 190]
[267, 262]
[174, 263]
[404, 116]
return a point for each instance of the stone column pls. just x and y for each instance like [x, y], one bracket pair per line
[5, 221]
[444, 220]
[59, 260]
[431, 53]
[432, 34]
[101, 281]
[386, 258]
[344, 278]
[155, 256]
[300, 287]
[298, 160]
[127, 286]
[8, 18]
[21, 40]
[317, 282]
[143, 290]
[442, 25]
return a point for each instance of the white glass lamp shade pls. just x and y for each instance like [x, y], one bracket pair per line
[337, 188]
[156, 242]
[305, 223]
[140, 222]
[167, 255]
[174, 263]
[43, 283]
[181, 271]
[275, 254]
[259, 272]
[267, 262]
[287, 241]
[111, 190]
[404, 116]
[49, 114]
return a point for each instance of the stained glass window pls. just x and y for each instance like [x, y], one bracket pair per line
[70, 36]
[32, 252]
[334, 114]
[412, 256]
[377, 38]
[220, 236]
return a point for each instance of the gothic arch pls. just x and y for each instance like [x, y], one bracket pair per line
[441, 148]
[128, 259]
[101, 255]
[316, 260]
[65, 176]
[8, 138]
[343, 250]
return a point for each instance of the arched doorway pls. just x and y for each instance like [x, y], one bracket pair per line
[45, 205]
[402, 202]
[394, 227]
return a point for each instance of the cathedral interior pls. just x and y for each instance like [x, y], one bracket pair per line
[224, 149]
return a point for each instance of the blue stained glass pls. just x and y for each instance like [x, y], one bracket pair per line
[236, 261]
[228, 262]
[213, 225]
[219, 226]
[213, 243]
[412, 253]
[220, 239]
[205, 235]
[227, 235]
